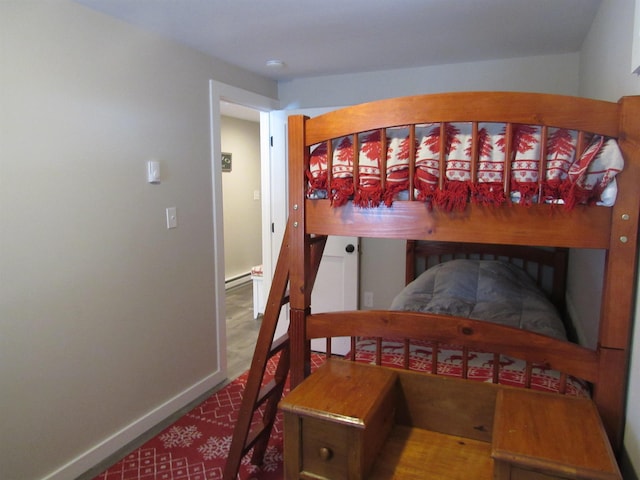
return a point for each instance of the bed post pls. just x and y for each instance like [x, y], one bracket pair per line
[300, 258]
[619, 293]
[410, 259]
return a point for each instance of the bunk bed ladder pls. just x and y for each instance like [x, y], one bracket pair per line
[257, 395]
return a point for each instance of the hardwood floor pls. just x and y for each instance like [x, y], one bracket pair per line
[242, 329]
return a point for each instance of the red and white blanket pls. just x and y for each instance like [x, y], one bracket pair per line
[567, 178]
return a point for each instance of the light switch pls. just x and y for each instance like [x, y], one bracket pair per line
[172, 217]
[153, 171]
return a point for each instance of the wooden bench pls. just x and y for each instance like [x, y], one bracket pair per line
[355, 421]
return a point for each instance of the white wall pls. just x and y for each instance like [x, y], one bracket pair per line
[107, 319]
[545, 74]
[605, 67]
[242, 211]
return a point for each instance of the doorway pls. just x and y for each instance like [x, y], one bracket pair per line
[219, 93]
[242, 212]
[273, 144]
[241, 191]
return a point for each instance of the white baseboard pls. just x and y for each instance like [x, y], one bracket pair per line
[111, 445]
[237, 280]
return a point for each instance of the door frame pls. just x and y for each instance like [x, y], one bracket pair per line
[222, 92]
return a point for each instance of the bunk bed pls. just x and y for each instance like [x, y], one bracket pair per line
[502, 169]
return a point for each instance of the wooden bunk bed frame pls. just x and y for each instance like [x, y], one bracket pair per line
[612, 229]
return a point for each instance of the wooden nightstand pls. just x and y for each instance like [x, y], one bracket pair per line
[336, 421]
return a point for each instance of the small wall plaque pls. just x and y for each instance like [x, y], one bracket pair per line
[226, 162]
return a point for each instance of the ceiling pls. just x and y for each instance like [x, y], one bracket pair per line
[326, 37]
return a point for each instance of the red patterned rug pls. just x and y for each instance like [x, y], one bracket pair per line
[196, 446]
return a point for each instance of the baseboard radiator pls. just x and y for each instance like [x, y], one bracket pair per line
[237, 280]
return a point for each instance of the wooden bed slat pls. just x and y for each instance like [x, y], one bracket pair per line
[435, 352]
[412, 162]
[475, 154]
[563, 383]
[407, 348]
[383, 158]
[527, 375]
[355, 146]
[329, 164]
[542, 165]
[496, 367]
[508, 159]
[444, 151]
[465, 362]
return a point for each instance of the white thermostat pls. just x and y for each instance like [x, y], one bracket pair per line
[153, 171]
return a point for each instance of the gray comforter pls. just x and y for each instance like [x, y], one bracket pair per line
[489, 290]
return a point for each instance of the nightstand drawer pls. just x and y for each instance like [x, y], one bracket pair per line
[325, 447]
[337, 420]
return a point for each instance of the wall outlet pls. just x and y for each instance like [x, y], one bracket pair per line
[368, 299]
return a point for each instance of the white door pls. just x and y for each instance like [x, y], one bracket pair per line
[336, 286]
[275, 189]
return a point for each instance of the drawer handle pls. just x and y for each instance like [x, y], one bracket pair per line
[325, 453]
